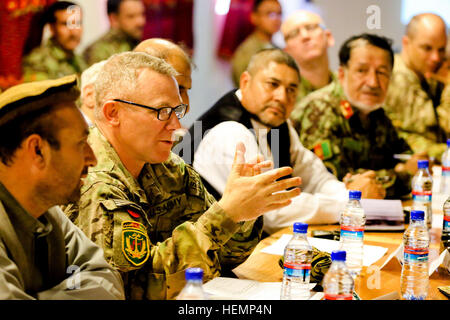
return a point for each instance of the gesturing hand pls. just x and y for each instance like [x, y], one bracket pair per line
[249, 193]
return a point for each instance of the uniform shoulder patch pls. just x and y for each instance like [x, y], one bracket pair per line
[323, 150]
[346, 109]
[135, 242]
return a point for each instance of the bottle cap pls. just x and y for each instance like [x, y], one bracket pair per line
[193, 274]
[448, 143]
[354, 195]
[417, 215]
[300, 227]
[422, 164]
[338, 255]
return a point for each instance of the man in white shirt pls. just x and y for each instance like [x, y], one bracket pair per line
[263, 103]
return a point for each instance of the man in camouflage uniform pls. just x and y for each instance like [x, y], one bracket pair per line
[307, 41]
[44, 155]
[266, 17]
[344, 124]
[57, 58]
[127, 19]
[145, 206]
[415, 101]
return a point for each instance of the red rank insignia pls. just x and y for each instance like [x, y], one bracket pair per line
[133, 214]
[346, 109]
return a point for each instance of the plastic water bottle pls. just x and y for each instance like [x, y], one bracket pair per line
[446, 225]
[193, 290]
[445, 177]
[353, 220]
[338, 283]
[297, 265]
[422, 184]
[416, 240]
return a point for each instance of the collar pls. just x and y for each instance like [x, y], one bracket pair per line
[109, 161]
[20, 217]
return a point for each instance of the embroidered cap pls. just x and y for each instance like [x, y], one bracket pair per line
[31, 96]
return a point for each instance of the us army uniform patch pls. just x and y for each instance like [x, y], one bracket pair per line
[135, 243]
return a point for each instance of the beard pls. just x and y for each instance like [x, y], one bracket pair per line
[364, 108]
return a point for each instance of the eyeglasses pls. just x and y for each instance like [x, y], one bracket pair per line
[309, 28]
[164, 113]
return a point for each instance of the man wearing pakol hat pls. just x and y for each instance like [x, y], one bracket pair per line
[44, 155]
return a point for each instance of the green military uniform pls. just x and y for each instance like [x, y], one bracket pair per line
[241, 57]
[114, 41]
[305, 87]
[47, 257]
[416, 110]
[154, 228]
[51, 62]
[328, 125]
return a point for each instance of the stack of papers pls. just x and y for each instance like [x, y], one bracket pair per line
[383, 215]
[371, 253]
[223, 288]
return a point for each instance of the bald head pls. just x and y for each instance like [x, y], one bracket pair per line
[425, 22]
[176, 56]
[298, 18]
[424, 43]
[306, 37]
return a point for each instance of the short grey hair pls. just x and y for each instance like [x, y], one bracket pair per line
[89, 76]
[118, 77]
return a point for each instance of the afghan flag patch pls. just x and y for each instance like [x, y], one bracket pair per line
[135, 243]
[346, 109]
[323, 150]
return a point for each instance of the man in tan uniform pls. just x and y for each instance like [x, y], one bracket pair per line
[307, 41]
[147, 208]
[266, 17]
[57, 58]
[414, 100]
[127, 20]
[44, 156]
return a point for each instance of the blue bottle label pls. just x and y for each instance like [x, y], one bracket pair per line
[297, 270]
[446, 169]
[414, 255]
[421, 196]
[352, 232]
[447, 223]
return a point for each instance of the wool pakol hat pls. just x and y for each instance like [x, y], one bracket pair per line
[31, 96]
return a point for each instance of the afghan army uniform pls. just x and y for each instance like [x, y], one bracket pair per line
[328, 125]
[51, 62]
[154, 228]
[305, 87]
[114, 41]
[47, 257]
[241, 57]
[416, 110]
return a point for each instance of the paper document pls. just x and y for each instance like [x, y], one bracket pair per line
[383, 214]
[371, 253]
[239, 289]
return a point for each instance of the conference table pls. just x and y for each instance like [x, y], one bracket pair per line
[373, 282]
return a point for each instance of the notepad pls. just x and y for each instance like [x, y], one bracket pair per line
[383, 215]
[224, 288]
[371, 253]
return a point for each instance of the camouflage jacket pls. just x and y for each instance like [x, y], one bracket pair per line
[112, 42]
[241, 57]
[411, 109]
[328, 125]
[306, 87]
[154, 228]
[51, 62]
